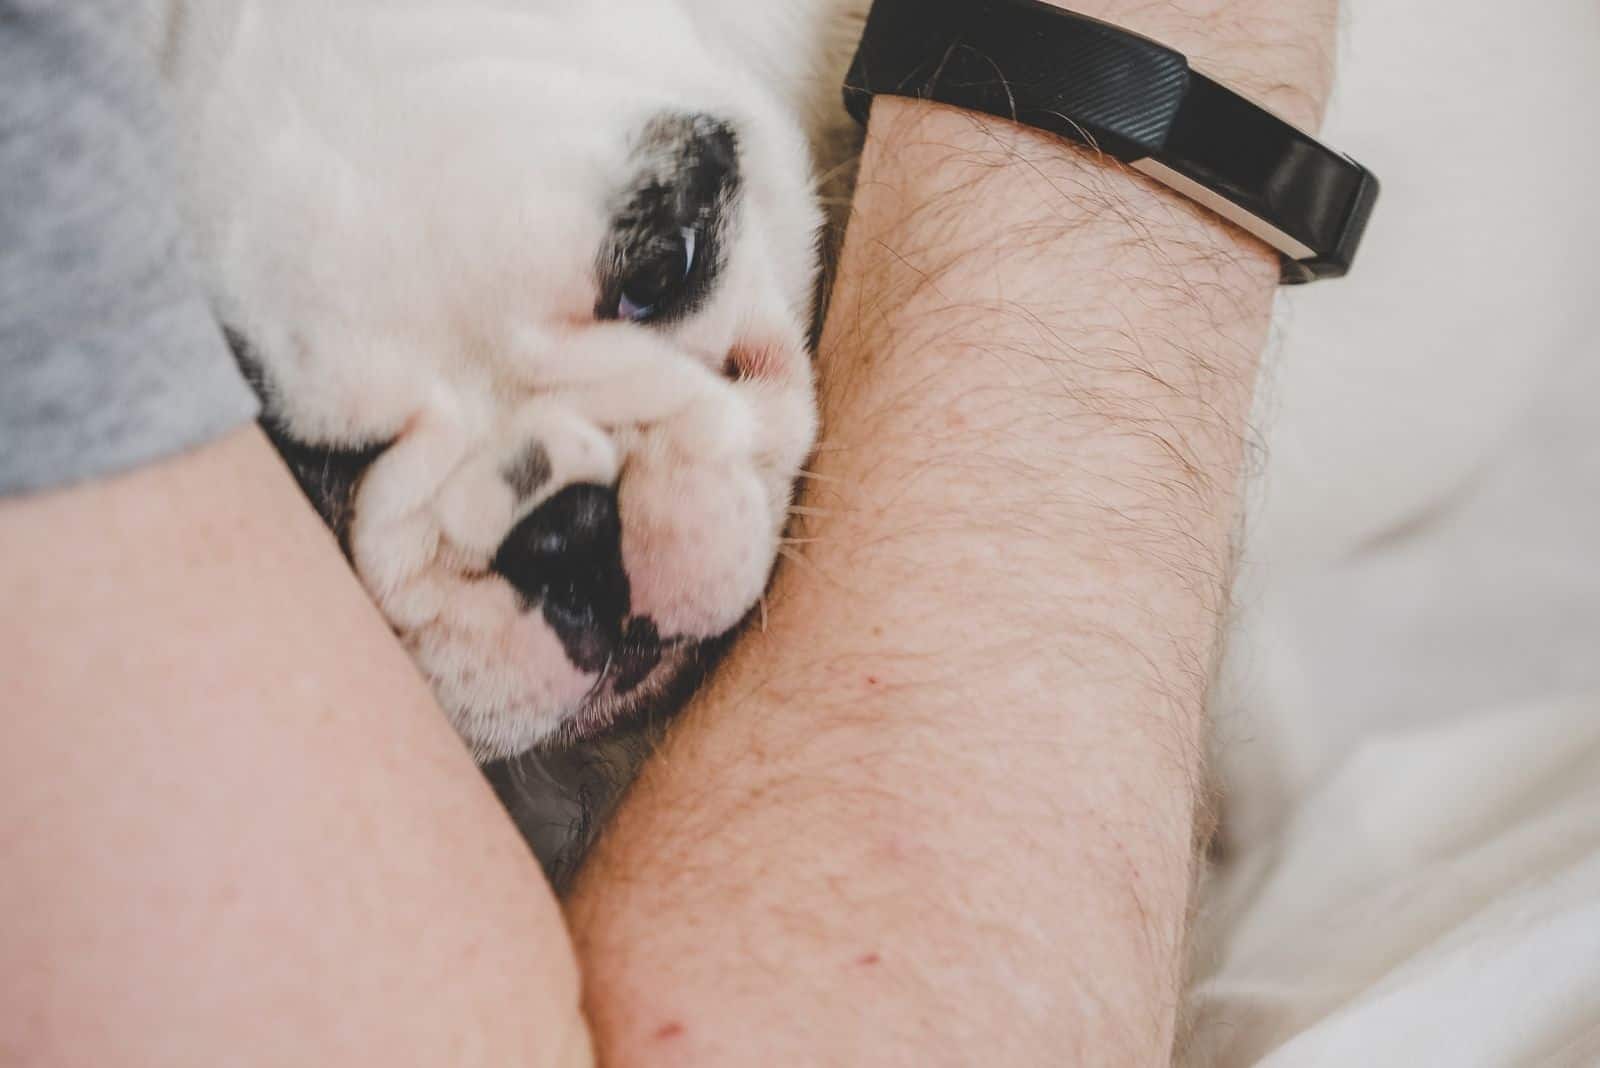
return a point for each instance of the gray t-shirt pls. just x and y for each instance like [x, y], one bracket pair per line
[109, 357]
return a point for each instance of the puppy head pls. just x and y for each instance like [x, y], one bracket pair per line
[527, 298]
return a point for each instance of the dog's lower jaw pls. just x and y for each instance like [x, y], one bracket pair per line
[646, 702]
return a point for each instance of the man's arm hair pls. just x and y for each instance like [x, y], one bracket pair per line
[941, 810]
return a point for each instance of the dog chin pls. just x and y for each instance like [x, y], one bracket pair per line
[612, 701]
[657, 696]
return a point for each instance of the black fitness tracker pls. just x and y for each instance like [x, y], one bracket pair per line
[1132, 98]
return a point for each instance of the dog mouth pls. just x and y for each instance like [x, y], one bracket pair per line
[582, 595]
[631, 661]
[629, 692]
[563, 561]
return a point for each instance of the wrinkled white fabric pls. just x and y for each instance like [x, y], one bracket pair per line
[1409, 722]
[1436, 901]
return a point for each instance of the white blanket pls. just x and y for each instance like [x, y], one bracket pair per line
[1436, 902]
[1409, 725]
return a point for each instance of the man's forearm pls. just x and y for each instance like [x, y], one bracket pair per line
[940, 810]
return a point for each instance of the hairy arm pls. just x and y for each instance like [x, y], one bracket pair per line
[941, 810]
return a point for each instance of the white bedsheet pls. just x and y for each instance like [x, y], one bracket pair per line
[1435, 902]
[1409, 725]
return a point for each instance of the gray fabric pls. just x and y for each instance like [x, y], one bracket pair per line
[109, 357]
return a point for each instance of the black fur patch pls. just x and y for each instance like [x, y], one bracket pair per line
[329, 476]
[687, 179]
[529, 471]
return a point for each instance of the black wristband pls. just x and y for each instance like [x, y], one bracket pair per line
[1132, 98]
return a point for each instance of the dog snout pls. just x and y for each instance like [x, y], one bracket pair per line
[566, 559]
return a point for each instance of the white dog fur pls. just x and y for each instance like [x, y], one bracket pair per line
[401, 204]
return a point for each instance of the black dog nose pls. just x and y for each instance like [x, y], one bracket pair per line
[567, 558]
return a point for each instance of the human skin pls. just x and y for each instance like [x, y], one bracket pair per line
[942, 808]
[939, 812]
[234, 826]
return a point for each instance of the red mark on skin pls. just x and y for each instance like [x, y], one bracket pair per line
[867, 960]
[891, 851]
[872, 680]
[671, 1029]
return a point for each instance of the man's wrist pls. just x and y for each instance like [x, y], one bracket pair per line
[1281, 55]
[1130, 98]
[1027, 221]
[1070, 178]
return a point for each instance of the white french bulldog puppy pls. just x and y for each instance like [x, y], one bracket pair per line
[527, 289]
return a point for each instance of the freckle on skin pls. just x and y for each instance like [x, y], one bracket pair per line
[872, 680]
[671, 1029]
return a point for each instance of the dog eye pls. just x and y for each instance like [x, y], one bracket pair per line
[656, 279]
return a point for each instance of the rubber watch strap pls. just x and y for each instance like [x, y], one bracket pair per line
[1132, 98]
